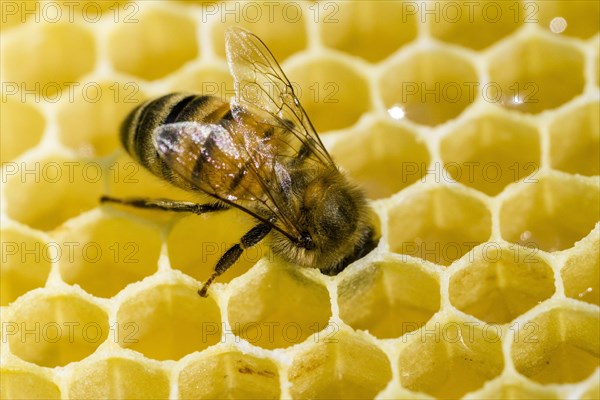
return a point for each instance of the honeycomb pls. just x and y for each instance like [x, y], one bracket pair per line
[473, 127]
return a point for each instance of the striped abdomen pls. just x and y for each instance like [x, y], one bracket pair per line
[138, 128]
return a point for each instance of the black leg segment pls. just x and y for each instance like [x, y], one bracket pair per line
[251, 238]
[166, 205]
[255, 235]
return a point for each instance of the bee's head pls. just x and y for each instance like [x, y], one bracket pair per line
[333, 223]
[332, 211]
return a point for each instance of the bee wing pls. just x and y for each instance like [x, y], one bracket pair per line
[204, 154]
[229, 166]
[261, 84]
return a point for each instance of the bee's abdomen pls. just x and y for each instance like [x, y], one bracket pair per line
[138, 128]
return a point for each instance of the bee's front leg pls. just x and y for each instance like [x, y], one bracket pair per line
[166, 205]
[251, 238]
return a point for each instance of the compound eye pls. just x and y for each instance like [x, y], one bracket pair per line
[338, 215]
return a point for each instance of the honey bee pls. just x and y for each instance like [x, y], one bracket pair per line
[258, 153]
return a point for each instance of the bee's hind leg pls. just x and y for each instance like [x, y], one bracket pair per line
[251, 238]
[166, 205]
